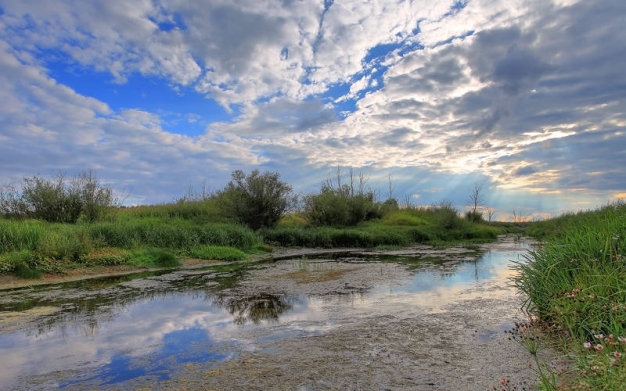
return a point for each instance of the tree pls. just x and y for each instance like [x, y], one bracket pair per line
[57, 200]
[491, 212]
[95, 198]
[477, 201]
[256, 200]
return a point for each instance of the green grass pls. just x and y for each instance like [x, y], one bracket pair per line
[218, 253]
[51, 247]
[198, 229]
[576, 283]
[153, 257]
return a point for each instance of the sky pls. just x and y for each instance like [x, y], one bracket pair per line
[525, 97]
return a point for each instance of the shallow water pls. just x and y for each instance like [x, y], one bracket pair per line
[128, 333]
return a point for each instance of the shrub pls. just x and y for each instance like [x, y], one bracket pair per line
[446, 216]
[340, 207]
[474, 216]
[56, 200]
[256, 200]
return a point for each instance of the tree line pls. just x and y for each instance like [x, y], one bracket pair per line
[257, 200]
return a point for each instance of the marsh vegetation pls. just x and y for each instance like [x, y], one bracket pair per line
[54, 225]
[575, 287]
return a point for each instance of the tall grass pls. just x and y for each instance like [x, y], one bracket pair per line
[174, 234]
[20, 235]
[372, 234]
[53, 247]
[576, 282]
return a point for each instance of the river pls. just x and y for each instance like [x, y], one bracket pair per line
[419, 318]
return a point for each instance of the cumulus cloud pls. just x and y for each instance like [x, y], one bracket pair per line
[529, 95]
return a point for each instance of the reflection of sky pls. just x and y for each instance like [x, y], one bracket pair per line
[432, 288]
[148, 337]
[489, 267]
[151, 336]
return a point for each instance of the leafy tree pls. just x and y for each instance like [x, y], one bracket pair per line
[57, 200]
[256, 200]
[95, 198]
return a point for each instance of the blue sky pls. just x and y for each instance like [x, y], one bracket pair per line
[526, 97]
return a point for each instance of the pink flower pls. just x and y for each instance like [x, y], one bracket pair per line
[599, 347]
[621, 339]
[599, 336]
[587, 345]
[617, 354]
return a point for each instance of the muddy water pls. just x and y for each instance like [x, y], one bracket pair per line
[415, 319]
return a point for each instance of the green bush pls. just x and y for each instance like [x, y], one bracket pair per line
[340, 207]
[474, 216]
[446, 216]
[58, 200]
[255, 200]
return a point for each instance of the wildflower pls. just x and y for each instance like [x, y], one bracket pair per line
[599, 347]
[587, 345]
[622, 339]
[617, 354]
[599, 336]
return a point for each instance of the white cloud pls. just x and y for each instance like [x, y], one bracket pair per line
[535, 82]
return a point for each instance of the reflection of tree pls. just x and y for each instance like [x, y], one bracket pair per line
[255, 308]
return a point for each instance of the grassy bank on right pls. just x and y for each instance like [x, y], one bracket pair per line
[575, 282]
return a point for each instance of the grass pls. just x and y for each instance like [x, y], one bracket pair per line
[51, 248]
[219, 253]
[576, 283]
[198, 229]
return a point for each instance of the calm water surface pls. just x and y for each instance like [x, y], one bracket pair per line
[149, 327]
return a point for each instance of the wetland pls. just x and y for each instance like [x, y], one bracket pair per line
[416, 318]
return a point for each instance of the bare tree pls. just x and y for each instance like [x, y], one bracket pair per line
[477, 198]
[391, 188]
[490, 213]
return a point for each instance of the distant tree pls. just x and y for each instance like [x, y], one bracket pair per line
[477, 198]
[340, 204]
[490, 213]
[95, 198]
[477, 201]
[58, 200]
[256, 200]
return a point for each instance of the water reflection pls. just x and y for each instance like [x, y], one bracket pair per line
[255, 308]
[111, 333]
